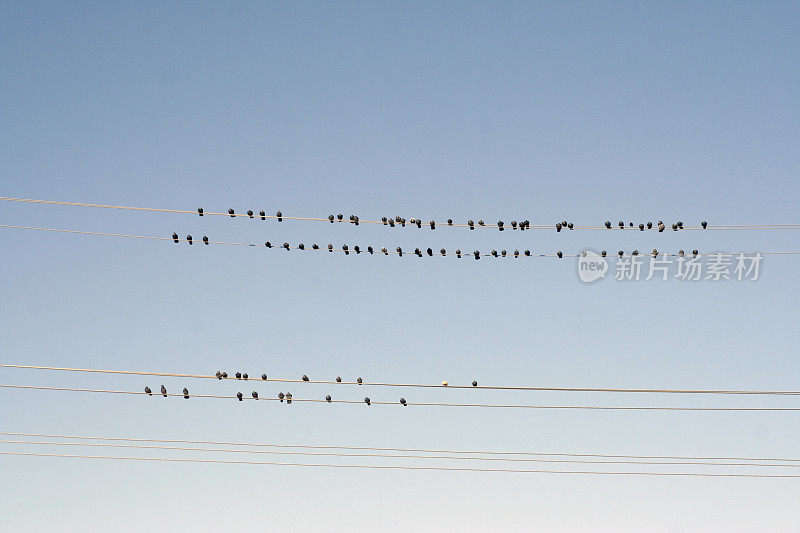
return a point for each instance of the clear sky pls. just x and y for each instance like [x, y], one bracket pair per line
[545, 111]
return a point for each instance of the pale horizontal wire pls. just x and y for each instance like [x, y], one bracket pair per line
[466, 254]
[411, 450]
[257, 379]
[398, 455]
[438, 224]
[412, 403]
[400, 467]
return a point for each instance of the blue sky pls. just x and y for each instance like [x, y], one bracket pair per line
[545, 111]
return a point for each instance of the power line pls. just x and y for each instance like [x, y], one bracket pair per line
[246, 378]
[411, 450]
[401, 467]
[404, 403]
[374, 250]
[417, 222]
[397, 456]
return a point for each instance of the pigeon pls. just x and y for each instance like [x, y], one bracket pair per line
[330, 247]
[621, 225]
[301, 246]
[244, 375]
[516, 253]
[480, 223]
[399, 251]
[655, 252]
[661, 227]
[200, 211]
[330, 219]
[224, 374]
[558, 227]
[286, 245]
[370, 250]
[503, 253]
[527, 253]
[383, 219]
[186, 393]
[339, 217]
[391, 222]
[620, 253]
[345, 250]
[430, 252]
[443, 251]
[513, 224]
[694, 253]
[471, 224]
[280, 396]
[315, 246]
[218, 374]
[288, 397]
[418, 252]
[570, 226]
[603, 253]
[238, 375]
[649, 225]
[635, 252]
[494, 253]
[458, 254]
[641, 227]
[148, 391]
[419, 223]
[385, 251]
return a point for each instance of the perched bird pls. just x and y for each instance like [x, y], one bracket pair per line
[403, 222]
[189, 239]
[383, 219]
[704, 224]
[280, 396]
[175, 238]
[148, 391]
[357, 249]
[264, 377]
[186, 393]
[354, 219]
[205, 240]
[268, 244]
[286, 245]
[315, 246]
[345, 250]
[621, 225]
[370, 250]
[443, 251]
[330, 247]
[471, 224]
[680, 224]
[649, 225]
[239, 396]
[641, 227]
[474, 383]
[359, 381]
[419, 223]
[558, 226]
[559, 254]
[224, 374]
[494, 253]
[694, 253]
[432, 224]
[620, 253]
[231, 213]
[385, 251]
[516, 253]
[680, 253]
[444, 383]
[255, 395]
[244, 375]
[418, 252]
[402, 401]
[200, 211]
[430, 251]
[338, 379]
[661, 227]
[513, 224]
[218, 374]
[674, 227]
[603, 253]
[570, 225]
[330, 219]
[263, 215]
[280, 216]
[449, 221]
[399, 251]
[527, 253]
[301, 246]
[480, 223]
[250, 213]
[238, 375]
[288, 397]
[163, 391]
[500, 225]
[635, 252]
[391, 222]
[328, 398]
[367, 400]
[477, 254]
[339, 217]
[655, 252]
[458, 254]
[305, 377]
[503, 253]
[608, 224]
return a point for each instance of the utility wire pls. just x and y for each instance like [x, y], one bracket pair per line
[399, 221]
[400, 467]
[411, 450]
[357, 250]
[395, 456]
[368, 401]
[264, 377]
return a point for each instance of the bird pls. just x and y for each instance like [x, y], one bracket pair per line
[444, 383]
[288, 397]
[231, 213]
[674, 227]
[338, 379]
[186, 393]
[500, 225]
[224, 374]
[218, 374]
[189, 239]
[620, 253]
[280, 396]
[418, 252]
[391, 222]
[661, 227]
[403, 222]
[570, 225]
[315, 246]
[175, 238]
[432, 224]
[558, 227]
[603, 253]
[163, 391]
[239, 396]
[205, 240]
[419, 223]
[339, 217]
[680, 253]
[238, 375]
[477, 254]
[301, 246]
[527, 253]
[280, 216]
[264, 377]
[263, 215]
[694, 253]
[608, 224]
[494, 253]
[443, 251]
[367, 400]
[330, 219]
[430, 251]
[370, 250]
[641, 227]
[704, 224]
[255, 395]
[474, 383]
[354, 219]
[621, 225]
[328, 398]
[244, 375]
[359, 381]
[559, 254]
[383, 219]
[399, 251]
[503, 253]
[402, 401]
[385, 251]
[305, 377]
[148, 391]
[458, 254]
[655, 252]
[268, 244]
[330, 247]
[649, 225]
[680, 224]
[250, 213]
[516, 253]
[471, 224]
[286, 245]
[513, 224]
[635, 252]
[480, 223]
[449, 221]
[345, 250]
[200, 211]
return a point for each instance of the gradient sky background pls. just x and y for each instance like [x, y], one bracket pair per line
[544, 111]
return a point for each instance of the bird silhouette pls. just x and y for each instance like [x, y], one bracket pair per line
[402, 401]
[231, 213]
[175, 238]
[250, 213]
[367, 400]
[205, 240]
[163, 391]
[148, 391]
[280, 216]
[305, 377]
[264, 377]
[189, 239]
[239, 396]
[328, 398]
[255, 395]
[186, 393]
[200, 211]
[474, 383]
